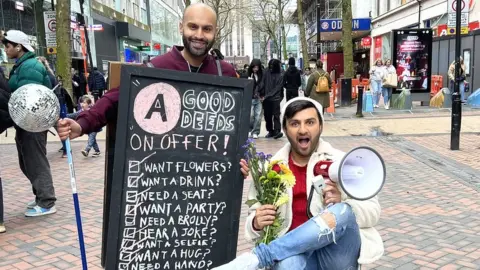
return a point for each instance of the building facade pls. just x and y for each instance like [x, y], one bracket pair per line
[27, 16]
[237, 45]
[125, 31]
[389, 15]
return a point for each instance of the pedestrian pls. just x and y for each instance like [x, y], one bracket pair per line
[255, 73]
[460, 79]
[92, 136]
[272, 84]
[389, 70]
[96, 83]
[65, 100]
[31, 146]
[5, 122]
[376, 77]
[319, 86]
[51, 74]
[341, 233]
[292, 79]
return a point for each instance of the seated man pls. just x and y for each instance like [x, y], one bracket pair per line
[340, 236]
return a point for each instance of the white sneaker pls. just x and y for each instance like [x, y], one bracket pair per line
[246, 261]
[2, 228]
[249, 134]
[32, 204]
[255, 136]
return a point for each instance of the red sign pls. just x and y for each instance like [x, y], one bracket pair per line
[366, 41]
[157, 46]
[377, 50]
[147, 44]
[441, 29]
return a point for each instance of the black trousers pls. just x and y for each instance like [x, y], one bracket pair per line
[292, 93]
[271, 111]
[32, 157]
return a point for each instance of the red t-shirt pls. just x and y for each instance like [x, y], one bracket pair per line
[300, 201]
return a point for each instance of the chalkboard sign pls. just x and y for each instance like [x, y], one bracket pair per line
[177, 188]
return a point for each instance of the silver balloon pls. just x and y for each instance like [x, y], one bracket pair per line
[34, 107]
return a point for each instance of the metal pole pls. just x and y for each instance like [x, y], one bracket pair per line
[456, 103]
[419, 12]
[53, 4]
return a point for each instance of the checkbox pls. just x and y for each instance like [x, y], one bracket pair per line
[131, 210]
[123, 266]
[128, 244]
[134, 166]
[129, 233]
[132, 181]
[127, 256]
[131, 197]
[129, 221]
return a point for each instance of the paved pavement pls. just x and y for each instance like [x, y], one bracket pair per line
[430, 206]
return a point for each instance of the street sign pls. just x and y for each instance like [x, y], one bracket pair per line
[52, 50]
[452, 16]
[452, 6]
[452, 31]
[50, 21]
[452, 19]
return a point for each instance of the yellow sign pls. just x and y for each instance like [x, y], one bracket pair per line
[52, 50]
[451, 30]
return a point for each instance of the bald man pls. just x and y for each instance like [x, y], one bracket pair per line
[198, 29]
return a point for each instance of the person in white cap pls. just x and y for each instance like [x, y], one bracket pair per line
[31, 146]
[340, 236]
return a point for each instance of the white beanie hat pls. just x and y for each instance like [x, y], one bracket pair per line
[317, 105]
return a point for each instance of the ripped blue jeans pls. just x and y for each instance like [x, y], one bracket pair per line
[314, 245]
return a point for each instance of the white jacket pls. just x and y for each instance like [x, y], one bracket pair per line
[367, 212]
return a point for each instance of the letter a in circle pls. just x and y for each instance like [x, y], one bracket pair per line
[157, 106]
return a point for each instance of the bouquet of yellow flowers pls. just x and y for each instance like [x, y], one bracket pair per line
[271, 180]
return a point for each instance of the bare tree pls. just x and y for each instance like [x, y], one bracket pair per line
[265, 17]
[226, 14]
[347, 38]
[302, 30]
[64, 56]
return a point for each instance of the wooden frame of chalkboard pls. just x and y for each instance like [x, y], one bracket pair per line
[209, 192]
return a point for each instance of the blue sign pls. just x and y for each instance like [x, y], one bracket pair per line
[335, 25]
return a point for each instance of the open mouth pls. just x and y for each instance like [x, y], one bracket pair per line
[304, 142]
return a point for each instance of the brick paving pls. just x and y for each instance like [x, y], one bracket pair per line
[430, 217]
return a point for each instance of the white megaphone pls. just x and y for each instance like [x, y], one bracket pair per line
[361, 173]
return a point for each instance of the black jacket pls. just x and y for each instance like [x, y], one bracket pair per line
[5, 120]
[292, 79]
[258, 91]
[96, 82]
[272, 81]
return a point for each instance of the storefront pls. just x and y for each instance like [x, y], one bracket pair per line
[105, 43]
[361, 56]
[164, 24]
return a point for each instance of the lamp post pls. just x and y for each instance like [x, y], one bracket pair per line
[456, 102]
[419, 12]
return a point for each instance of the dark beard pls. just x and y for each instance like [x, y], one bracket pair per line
[188, 46]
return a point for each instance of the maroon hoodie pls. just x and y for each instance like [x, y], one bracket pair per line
[105, 109]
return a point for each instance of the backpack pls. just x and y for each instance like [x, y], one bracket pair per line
[322, 83]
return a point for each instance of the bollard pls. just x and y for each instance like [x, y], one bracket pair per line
[360, 101]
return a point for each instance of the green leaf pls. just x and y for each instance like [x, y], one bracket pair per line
[250, 203]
